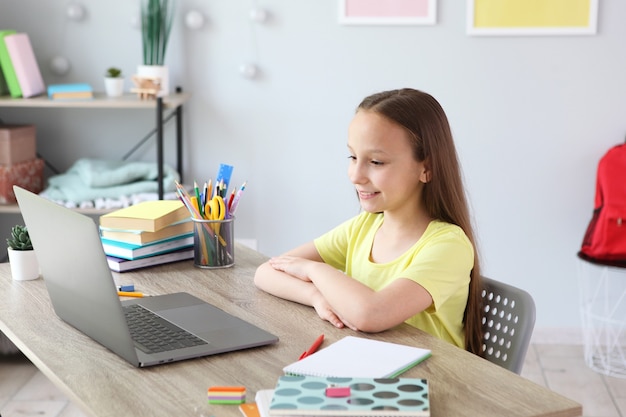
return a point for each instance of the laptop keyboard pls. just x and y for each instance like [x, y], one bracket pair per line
[153, 334]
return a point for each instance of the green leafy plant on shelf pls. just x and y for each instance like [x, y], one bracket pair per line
[156, 23]
[20, 239]
[113, 73]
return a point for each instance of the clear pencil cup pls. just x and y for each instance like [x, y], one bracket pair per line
[214, 243]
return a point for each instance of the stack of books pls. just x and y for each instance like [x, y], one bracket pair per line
[77, 91]
[20, 73]
[147, 234]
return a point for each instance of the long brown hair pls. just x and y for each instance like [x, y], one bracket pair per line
[443, 196]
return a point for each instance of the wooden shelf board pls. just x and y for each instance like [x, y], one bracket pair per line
[14, 209]
[100, 101]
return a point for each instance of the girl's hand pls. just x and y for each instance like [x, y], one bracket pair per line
[325, 312]
[294, 266]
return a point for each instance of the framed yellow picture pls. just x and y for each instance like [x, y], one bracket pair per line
[387, 12]
[532, 17]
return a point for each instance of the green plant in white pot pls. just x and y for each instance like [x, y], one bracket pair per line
[24, 265]
[114, 82]
[157, 17]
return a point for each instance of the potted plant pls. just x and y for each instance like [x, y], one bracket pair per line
[156, 24]
[114, 82]
[24, 265]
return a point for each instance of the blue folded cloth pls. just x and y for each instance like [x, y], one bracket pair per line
[91, 179]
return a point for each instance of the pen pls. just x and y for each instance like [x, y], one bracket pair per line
[235, 202]
[314, 347]
[205, 198]
[130, 294]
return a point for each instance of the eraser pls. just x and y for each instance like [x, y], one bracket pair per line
[335, 392]
[227, 388]
[127, 288]
[227, 395]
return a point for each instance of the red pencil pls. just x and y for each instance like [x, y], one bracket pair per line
[230, 200]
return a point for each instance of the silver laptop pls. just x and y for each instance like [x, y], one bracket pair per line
[84, 294]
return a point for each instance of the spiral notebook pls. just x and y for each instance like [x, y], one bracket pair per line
[359, 357]
[381, 397]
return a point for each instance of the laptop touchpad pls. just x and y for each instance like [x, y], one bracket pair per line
[200, 318]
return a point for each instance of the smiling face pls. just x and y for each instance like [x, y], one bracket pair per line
[382, 165]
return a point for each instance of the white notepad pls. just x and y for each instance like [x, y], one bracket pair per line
[358, 357]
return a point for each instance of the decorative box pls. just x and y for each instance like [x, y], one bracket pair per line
[27, 174]
[17, 144]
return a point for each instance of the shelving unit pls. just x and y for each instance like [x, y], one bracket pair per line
[173, 102]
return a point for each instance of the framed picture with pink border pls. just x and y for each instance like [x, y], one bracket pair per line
[387, 12]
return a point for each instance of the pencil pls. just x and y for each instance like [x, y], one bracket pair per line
[130, 294]
[199, 200]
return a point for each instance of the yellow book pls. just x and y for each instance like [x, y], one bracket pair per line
[72, 95]
[148, 216]
[141, 237]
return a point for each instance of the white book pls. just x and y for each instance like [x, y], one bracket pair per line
[263, 398]
[123, 265]
[358, 357]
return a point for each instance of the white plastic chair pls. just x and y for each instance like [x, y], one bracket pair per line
[508, 322]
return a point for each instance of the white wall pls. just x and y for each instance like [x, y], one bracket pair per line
[531, 117]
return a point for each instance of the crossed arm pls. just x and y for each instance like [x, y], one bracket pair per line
[301, 276]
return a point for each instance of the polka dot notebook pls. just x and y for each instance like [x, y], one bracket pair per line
[318, 396]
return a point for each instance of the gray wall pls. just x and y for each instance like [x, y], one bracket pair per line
[531, 117]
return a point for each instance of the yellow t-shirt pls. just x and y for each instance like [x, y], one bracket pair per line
[440, 261]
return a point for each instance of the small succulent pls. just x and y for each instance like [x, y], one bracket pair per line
[114, 72]
[20, 239]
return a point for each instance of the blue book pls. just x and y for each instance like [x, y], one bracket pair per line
[131, 251]
[68, 88]
[317, 396]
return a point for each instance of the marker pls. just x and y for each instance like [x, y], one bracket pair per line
[205, 197]
[128, 288]
[314, 347]
[130, 294]
[230, 201]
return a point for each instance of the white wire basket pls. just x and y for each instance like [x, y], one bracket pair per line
[603, 314]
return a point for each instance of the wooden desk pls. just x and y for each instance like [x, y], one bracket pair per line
[105, 385]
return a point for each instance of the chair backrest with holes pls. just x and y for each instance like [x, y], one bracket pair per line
[508, 321]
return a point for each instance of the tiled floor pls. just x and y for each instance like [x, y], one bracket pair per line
[24, 391]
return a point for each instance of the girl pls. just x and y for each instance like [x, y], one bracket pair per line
[410, 255]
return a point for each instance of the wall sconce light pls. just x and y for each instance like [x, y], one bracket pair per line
[249, 71]
[59, 65]
[259, 15]
[75, 11]
[194, 20]
[135, 21]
